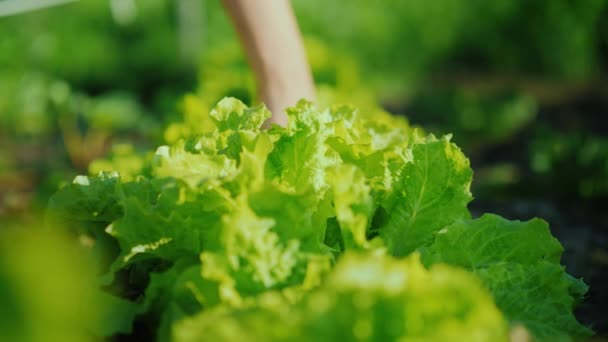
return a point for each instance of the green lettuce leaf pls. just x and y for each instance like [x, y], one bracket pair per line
[519, 263]
[353, 204]
[249, 257]
[432, 191]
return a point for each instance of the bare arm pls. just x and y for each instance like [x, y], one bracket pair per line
[273, 44]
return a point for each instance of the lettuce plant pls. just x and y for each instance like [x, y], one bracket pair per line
[344, 224]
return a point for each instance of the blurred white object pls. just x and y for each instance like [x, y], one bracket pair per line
[190, 27]
[9, 7]
[124, 12]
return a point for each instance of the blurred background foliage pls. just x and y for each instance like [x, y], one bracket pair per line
[46, 288]
[521, 85]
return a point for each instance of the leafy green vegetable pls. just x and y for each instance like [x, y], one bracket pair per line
[519, 263]
[369, 297]
[233, 215]
[431, 192]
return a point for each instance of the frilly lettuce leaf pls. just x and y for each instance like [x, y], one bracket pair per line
[353, 204]
[249, 256]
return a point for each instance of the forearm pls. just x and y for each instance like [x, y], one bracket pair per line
[273, 44]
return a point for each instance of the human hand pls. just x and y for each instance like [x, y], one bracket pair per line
[272, 41]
